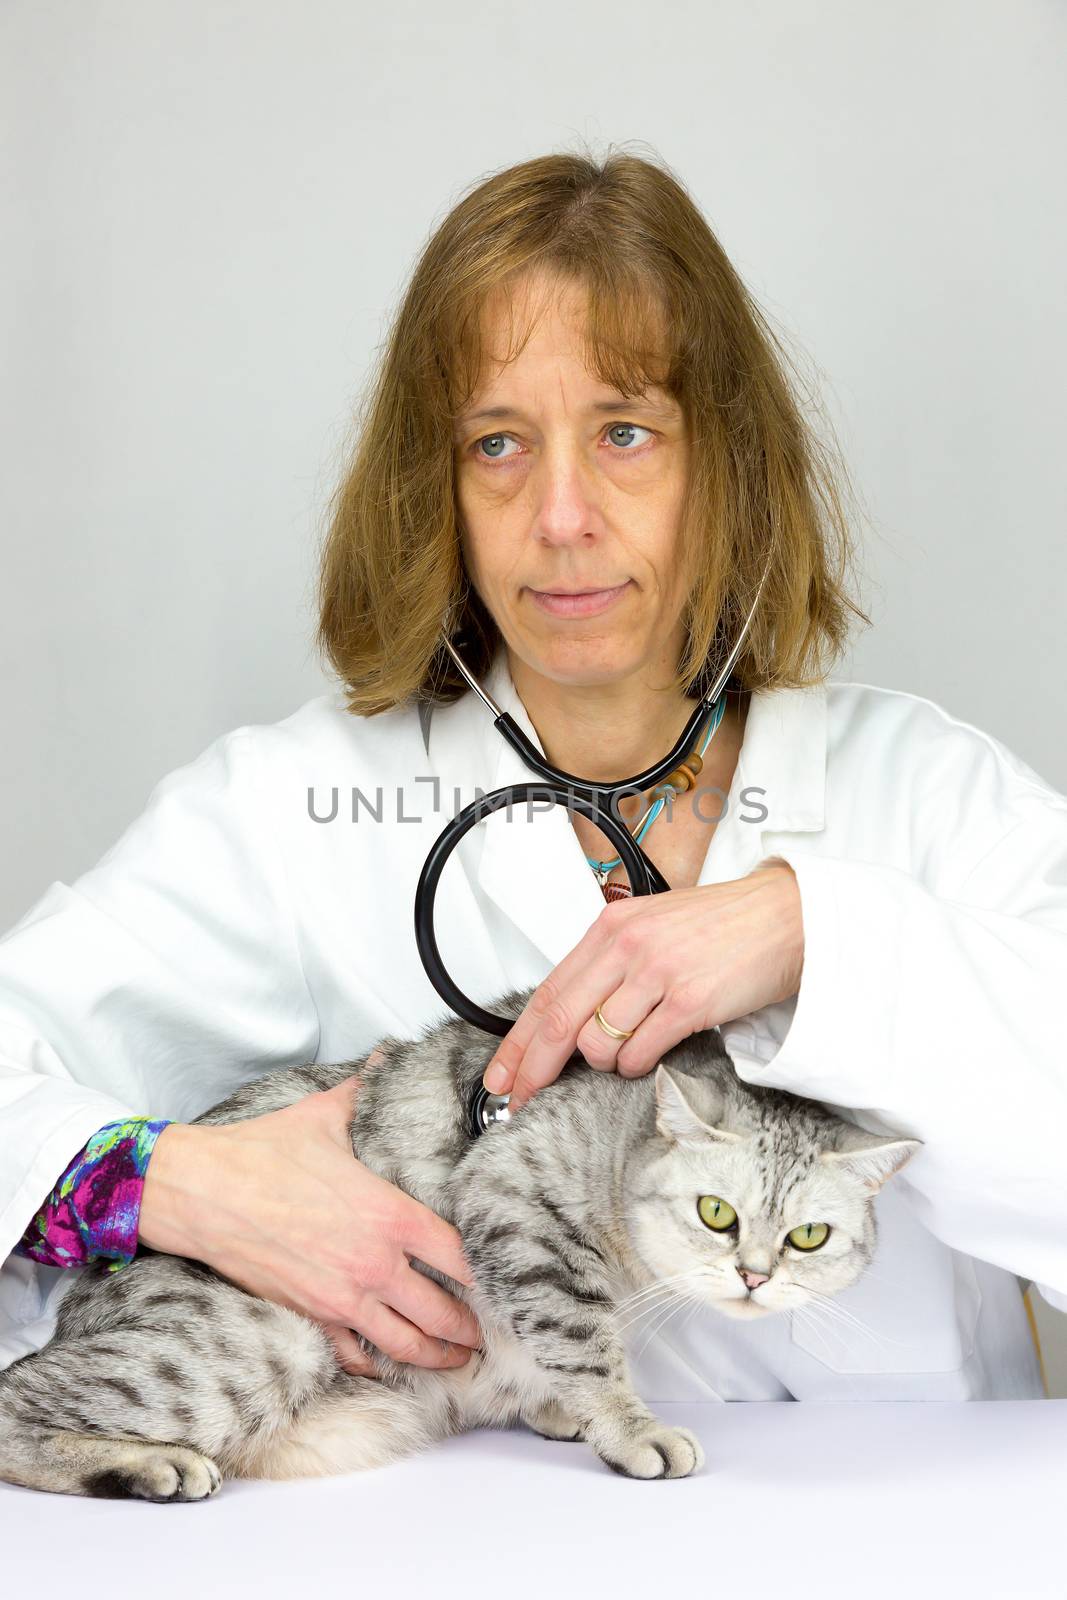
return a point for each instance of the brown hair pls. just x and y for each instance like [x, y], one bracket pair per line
[664, 306]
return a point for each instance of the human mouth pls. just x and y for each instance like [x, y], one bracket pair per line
[584, 603]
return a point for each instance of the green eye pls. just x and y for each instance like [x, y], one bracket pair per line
[716, 1214]
[809, 1237]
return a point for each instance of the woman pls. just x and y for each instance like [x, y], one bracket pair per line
[581, 447]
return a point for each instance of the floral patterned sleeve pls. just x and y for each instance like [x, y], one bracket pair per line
[93, 1210]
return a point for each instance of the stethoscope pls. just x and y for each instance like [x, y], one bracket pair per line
[595, 801]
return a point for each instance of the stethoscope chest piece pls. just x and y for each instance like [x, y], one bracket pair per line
[485, 1109]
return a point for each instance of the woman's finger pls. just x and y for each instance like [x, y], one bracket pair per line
[627, 1009]
[350, 1353]
[403, 1341]
[421, 1232]
[624, 1003]
[432, 1308]
[540, 1012]
[540, 1041]
[339, 1105]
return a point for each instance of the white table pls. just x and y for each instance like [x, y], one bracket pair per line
[867, 1500]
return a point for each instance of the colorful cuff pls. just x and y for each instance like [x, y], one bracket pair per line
[93, 1211]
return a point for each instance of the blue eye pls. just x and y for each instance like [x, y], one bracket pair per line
[626, 427]
[492, 438]
[499, 439]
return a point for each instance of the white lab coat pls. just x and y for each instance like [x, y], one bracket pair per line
[228, 933]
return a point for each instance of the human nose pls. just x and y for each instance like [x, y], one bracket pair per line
[567, 503]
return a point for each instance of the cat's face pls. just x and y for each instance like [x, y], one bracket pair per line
[754, 1222]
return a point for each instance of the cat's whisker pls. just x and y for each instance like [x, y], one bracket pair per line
[653, 1288]
[665, 1291]
[698, 1304]
[623, 1315]
[672, 1311]
[893, 1282]
[821, 1315]
[694, 1303]
[680, 1299]
[834, 1311]
[820, 1333]
[645, 1311]
[656, 1330]
[658, 1283]
[847, 1314]
[668, 1295]
[834, 1308]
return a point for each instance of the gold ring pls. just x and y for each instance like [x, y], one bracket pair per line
[613, 1033]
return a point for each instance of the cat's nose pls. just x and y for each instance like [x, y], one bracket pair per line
[753, 1279]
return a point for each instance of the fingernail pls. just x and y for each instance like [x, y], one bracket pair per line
[495, 1078]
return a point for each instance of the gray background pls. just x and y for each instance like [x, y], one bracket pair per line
[210, 209]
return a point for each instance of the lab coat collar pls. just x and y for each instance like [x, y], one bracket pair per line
[533, 867]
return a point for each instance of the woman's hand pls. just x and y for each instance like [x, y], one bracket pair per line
[665, 965]
[279, 1204]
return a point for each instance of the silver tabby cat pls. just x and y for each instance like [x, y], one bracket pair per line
[163, 1376]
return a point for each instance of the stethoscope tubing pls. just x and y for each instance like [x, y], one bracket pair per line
[598, 802]
[645, 877]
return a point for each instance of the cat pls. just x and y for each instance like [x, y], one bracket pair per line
[164, 1375]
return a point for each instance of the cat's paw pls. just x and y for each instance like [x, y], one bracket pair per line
[657, 1452]
[164, 1472]
[551, 1421]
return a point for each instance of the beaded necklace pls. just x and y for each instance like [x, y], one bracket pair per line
[682, 778]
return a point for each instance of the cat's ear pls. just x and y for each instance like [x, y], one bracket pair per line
[677, 1118]
[869, 1157]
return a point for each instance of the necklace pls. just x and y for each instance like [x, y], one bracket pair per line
[682, 778]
